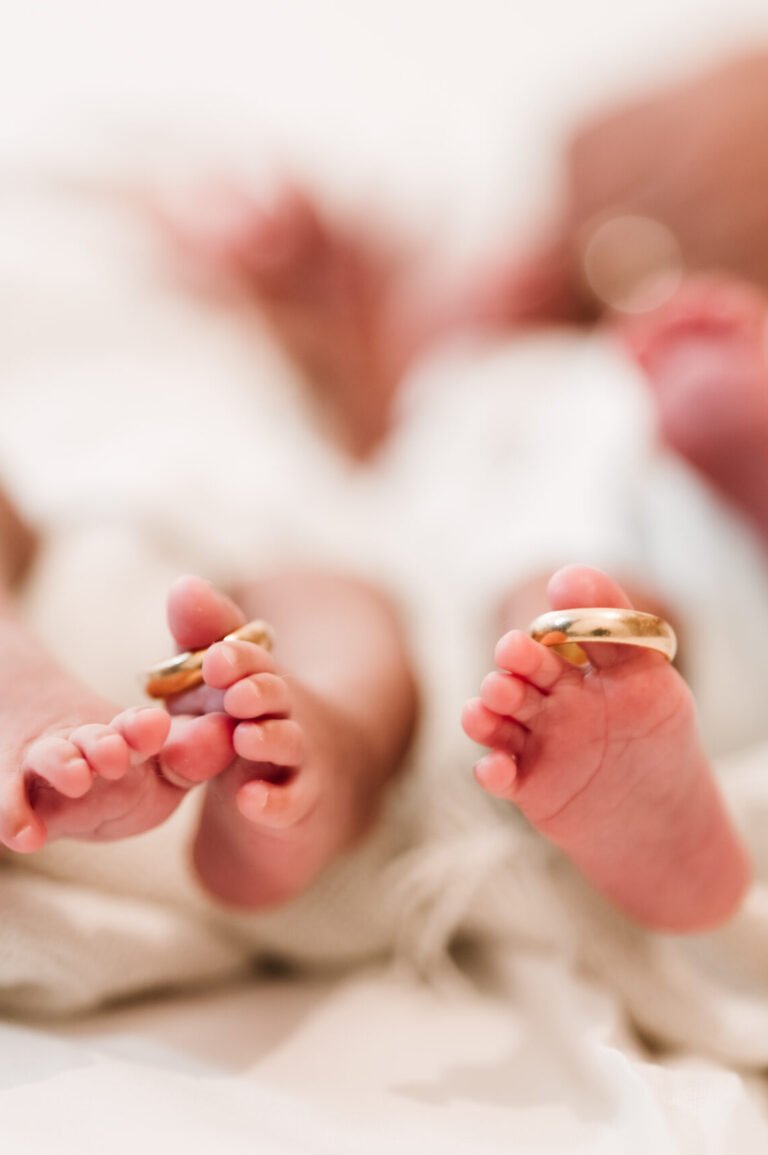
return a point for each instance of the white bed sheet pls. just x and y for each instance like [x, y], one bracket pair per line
[367, 1064]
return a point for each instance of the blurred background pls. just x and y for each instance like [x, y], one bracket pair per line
[452, 109]
[449, 120]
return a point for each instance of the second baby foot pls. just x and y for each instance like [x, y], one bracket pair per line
[706, 356]
[104, 776]
[290, 802]
[606, 762]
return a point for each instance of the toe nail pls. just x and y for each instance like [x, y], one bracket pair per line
[227, 654]
[23, 836]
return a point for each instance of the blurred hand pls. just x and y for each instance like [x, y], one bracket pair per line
[693, 158]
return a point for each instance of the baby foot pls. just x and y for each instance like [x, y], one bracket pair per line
[98, 775]
[706, 356]
[325, 292]
[288, 804]
[606, 763]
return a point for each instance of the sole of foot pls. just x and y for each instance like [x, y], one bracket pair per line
[290, 801]
[605, 761]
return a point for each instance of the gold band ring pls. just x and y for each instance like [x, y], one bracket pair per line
[186, 670]
[565, 630]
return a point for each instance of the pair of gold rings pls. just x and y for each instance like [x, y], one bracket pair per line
[564, 630]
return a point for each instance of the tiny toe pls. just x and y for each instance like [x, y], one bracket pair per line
[20, 828]
[59, 763]
[510, 696]
[197, 749]
[519, 654]
[105, 751]
[258, 695]
[279, 741]
[144, 728]
[228, 662]
[580, 585]
[497, 773]
[279, 807]
[488, 728]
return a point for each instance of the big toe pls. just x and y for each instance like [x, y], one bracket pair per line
[198, 614]
[580, 586]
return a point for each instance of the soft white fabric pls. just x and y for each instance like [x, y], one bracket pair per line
[534, 1060]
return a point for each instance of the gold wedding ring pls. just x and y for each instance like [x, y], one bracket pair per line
[186, 670]
[566, 631]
